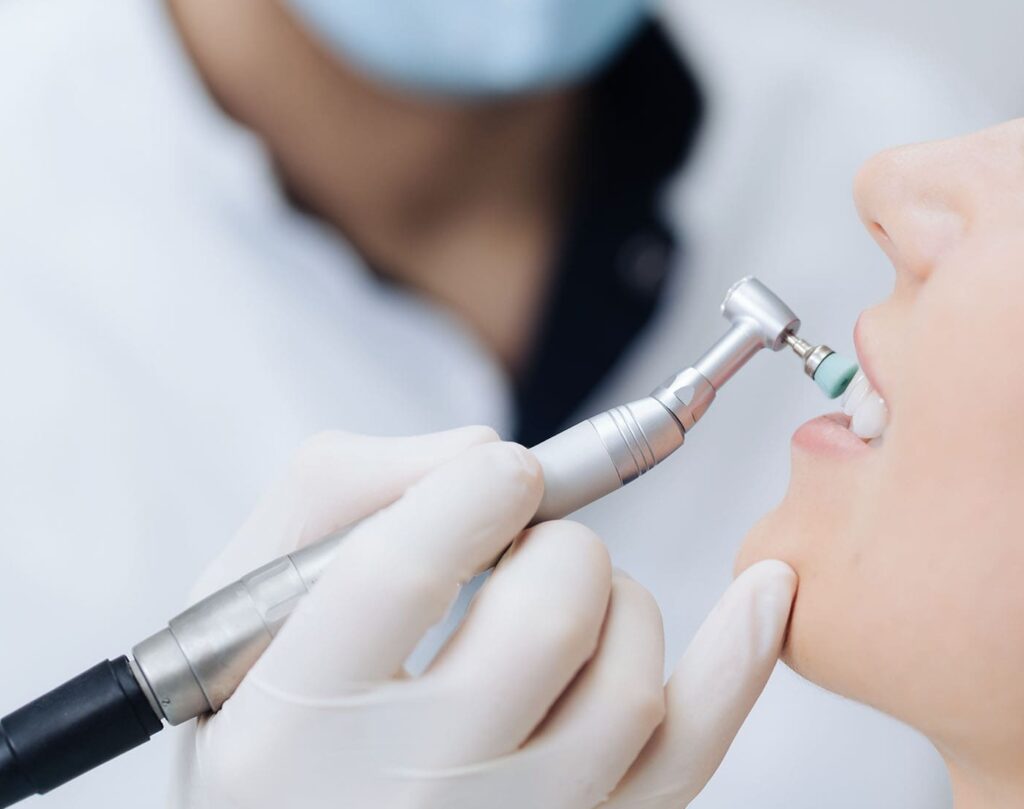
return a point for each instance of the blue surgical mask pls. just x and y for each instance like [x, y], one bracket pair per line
[474, 47]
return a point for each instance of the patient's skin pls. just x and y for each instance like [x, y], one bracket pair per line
[911, 554]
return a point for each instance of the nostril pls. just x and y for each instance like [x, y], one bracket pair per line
[885, 241]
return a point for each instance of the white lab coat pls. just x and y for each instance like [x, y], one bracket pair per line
[170, 329]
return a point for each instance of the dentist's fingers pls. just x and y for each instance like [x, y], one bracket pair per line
[334, 479]
[398, 571]
[594, 732]
[713, 689]
[610, 712]
[528, 632]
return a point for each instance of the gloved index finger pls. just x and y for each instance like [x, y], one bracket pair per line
[397, 573]
[716, 683]
[334, 479]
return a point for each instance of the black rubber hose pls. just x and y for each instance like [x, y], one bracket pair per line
[89, 720]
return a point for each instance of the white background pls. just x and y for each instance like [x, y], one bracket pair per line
[977, 40]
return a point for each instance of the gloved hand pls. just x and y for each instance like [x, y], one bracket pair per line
[550, 693]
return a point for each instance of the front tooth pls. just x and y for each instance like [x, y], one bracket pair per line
[870, 418]
[858, 389]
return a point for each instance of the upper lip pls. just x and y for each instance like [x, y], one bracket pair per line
[865, 359]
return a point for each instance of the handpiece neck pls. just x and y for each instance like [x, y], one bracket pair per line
[732, 351]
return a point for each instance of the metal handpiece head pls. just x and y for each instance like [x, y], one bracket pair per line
[753, 309]
[748, 301]
[757, 319]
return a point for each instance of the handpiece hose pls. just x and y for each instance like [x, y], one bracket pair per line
[89, 720]
[194, 665]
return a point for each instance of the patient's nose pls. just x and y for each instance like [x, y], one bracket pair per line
[910, 200]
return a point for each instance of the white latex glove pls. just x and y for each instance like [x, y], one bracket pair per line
[548, 696]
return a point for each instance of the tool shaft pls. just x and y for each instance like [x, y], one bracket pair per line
[194, 665]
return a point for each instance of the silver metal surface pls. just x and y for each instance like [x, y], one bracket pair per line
[196, 663]
[687, 396]
[750, 301]
[759, 319]
[730, 353]
[638, 436]
[816, 358]
[799, 345]
[812, 355]
[577, 470]
[167, 675]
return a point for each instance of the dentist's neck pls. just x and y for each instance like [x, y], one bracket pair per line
[456, 199]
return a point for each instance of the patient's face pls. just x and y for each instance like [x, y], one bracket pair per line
[911, 554]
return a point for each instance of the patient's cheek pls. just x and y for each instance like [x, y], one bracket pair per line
[768, 539]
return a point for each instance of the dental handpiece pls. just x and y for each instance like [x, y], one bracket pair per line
[192, 666]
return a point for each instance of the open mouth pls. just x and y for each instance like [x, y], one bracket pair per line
[860, 425]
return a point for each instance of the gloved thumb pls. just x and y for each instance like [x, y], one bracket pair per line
[715, 685]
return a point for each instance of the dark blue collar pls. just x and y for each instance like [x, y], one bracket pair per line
[642, 119]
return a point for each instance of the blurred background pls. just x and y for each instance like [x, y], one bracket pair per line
[975, 42]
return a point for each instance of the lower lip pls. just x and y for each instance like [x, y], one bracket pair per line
[829, 435]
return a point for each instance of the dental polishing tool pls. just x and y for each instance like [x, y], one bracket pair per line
[193, 665]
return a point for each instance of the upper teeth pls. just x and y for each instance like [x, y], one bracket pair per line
[867, 410]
